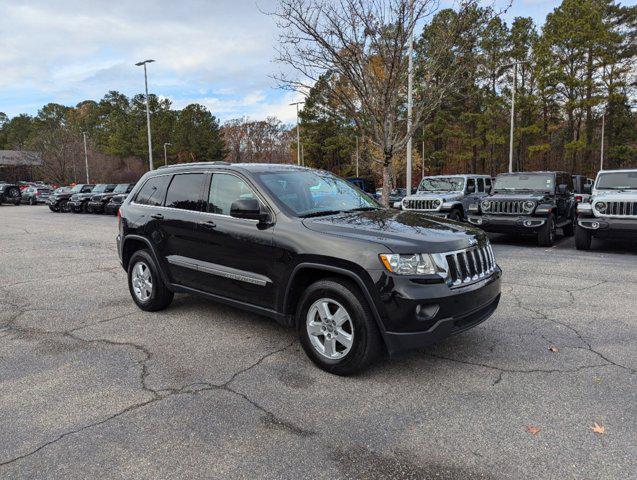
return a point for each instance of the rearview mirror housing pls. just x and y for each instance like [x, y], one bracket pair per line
[248, 208]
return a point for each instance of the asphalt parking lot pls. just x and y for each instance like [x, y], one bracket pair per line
[90, 386]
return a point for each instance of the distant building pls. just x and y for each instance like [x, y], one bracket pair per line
[19, 158]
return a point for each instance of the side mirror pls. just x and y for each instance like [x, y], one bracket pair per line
[487, 188]
[248, 208]
[471, 189]
[562, 188]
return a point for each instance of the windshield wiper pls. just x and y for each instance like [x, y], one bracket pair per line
[362, 209]
[320, 213]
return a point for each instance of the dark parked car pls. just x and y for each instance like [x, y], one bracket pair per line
[367, 185]
[78, 203]
[36, 194]
[10, 193]
[306, 248]
[534, 203]
[112, 207]
[98, 201]
[59, 199]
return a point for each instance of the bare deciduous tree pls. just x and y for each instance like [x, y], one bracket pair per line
[364, 44]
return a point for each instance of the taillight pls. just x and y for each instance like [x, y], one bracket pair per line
[119, 218]
[578, 198]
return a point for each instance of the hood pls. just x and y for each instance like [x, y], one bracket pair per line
[399, 231]
[432, 196]
[615, 196]
[119, 198]
[101, 196]
[535, 196]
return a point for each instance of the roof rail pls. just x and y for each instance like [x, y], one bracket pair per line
[183, 165]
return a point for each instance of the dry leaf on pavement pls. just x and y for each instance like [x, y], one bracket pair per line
[597, 428]
[553, 349]
[532, 430]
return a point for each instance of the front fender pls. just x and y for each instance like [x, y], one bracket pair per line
[544, 209]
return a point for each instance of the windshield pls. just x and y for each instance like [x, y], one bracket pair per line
[524, 182]
[62, 190]
[121, 188]
[101, 188]
[441, 184]
[315, 193]
[77, 188]
[617, 181]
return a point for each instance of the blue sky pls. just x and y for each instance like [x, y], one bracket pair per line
[218, 52]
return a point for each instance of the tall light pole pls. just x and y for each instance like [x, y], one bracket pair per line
[85, 156]
[410, 88]
[515, 81]
[298, 133]
[423, 155]
[356, 156]
[601, 149]
[165, 154]
[150, 142]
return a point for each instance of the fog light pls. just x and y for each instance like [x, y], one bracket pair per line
[528, 223]
[426, 312]
[595, 225]
[479, 221]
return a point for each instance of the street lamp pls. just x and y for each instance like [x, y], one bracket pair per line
[515, 78]
[150, 143]
[298, 133]
[85, 156]
[410, 89]
[165, 155]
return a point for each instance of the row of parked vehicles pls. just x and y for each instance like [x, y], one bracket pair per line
[535, 203]
[88, 198]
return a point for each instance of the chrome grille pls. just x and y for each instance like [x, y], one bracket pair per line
[423, 204]
[506, 207]
[621, 209]
[470, 265]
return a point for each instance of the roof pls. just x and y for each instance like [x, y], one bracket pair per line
[463, 175]
[251, 167]
[623, 170]
[539, 172]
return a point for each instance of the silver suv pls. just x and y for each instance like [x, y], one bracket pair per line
[448, 196]
[611, 211]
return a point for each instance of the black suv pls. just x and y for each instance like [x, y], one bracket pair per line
[98, 201]
[59, 199]
[310, 250]
[10, 193]
[534, 203]
[78, 203]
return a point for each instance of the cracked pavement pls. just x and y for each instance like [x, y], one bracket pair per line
[90, 386]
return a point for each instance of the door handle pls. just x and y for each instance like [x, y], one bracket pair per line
[208, 224]
[157, 216]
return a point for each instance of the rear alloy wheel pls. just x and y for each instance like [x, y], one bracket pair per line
[546, 234]
[336, 327]
[583, 238]
[146, 286]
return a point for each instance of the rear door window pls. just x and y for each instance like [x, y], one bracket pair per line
[153, 191]
[481, 185]
[184, 192]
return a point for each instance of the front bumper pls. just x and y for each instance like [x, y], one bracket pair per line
[417, 315]
[75, 204]
[609, 227]
[112, 208]
[507, 223]
[96, 206]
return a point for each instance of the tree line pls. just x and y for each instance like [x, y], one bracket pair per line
[574, 74]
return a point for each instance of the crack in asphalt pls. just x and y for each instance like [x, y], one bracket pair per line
[156, 395]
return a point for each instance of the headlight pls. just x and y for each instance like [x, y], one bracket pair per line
[486, 205]
[413, 264]
[436, 203]
[529, 206]
[600, 206]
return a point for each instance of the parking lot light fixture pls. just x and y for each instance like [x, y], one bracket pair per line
[86, 157]
[165, 154]
[150, 143]
[298, 133]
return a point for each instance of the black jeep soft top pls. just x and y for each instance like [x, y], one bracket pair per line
[528, 203]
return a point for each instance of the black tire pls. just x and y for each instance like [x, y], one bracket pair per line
[367, 344]
[546, 234]
[79, 209]
[64, 206]
[583, 238]
[160, 296]
[32, 201]
[13, 195]
[455, 215]
[569, 228]
[54, 209]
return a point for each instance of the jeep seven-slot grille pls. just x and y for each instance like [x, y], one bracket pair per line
[471, 265]
[423, 204]
[622, 209]
[509, 207]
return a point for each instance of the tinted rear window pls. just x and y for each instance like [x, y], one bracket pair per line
[185, 192]
[153, 191]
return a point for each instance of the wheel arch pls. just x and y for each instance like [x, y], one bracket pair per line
[133, 243]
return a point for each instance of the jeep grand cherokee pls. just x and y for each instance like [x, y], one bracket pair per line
[310, 250]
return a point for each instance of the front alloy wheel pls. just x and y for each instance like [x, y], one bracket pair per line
[330, 328]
